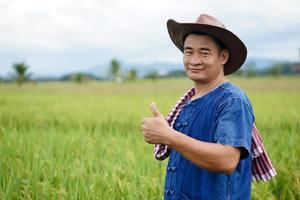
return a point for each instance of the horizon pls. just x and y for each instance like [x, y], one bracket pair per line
[259, 65]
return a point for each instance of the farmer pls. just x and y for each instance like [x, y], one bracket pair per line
[208, 134]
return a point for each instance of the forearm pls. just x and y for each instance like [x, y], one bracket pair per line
[211, 156]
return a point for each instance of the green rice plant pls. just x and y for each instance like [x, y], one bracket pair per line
[69, 141]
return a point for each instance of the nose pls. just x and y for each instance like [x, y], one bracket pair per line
[195, 60]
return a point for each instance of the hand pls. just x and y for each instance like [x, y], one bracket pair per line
[156, 129]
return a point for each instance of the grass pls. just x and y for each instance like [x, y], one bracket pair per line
[69, 141]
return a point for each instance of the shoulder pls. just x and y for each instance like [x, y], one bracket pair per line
[231, 92]
[231, 95]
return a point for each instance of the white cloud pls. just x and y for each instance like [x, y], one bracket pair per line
[134, 31]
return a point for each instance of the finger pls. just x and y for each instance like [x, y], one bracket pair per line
[154, 110]
[144, 120]
[143, 127]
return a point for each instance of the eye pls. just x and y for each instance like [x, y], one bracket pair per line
[188, 52]
[204, 53]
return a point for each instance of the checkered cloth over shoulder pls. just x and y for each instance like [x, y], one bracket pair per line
[262, 168]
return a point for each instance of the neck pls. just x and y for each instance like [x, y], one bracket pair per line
[202, 88]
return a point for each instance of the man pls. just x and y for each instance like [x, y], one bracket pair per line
[211, 136]
[214, 147]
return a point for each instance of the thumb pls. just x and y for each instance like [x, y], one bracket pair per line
[155, 111]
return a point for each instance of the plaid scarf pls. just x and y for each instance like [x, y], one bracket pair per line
[262, 168]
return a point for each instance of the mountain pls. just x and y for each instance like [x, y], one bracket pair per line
[264, 63]
[143, 69]
[101, 71]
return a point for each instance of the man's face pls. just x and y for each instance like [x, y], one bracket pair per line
[203, 60]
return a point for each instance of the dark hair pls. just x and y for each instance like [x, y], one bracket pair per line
[220, 44]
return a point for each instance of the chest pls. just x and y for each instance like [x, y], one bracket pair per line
[197, 119]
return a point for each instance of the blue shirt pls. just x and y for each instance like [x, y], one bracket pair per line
[223, 116]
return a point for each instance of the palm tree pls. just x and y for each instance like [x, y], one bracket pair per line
[21, 72]
[115, 69]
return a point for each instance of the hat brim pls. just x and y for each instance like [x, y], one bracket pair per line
[237, 49]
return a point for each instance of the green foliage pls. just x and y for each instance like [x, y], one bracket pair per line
[152, 75]
[21, 72]
[115, 68]
[178, 73]
[132, 74]
[275, 70]
[61, 141]
[250, 70]
[78, 77]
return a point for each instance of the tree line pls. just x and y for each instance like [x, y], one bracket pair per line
[22, 74]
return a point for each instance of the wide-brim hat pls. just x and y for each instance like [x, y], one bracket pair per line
[213, 27]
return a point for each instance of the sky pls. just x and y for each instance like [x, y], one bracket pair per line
[58, 36]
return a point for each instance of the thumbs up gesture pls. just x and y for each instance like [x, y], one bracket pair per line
[155, 111]
[156, 129]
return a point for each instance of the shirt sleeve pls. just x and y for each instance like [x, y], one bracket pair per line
[233, 125]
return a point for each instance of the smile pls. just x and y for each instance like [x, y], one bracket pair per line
[196, 70]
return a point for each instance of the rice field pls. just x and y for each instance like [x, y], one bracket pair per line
[62, 140]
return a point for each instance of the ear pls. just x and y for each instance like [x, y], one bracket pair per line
[224, 56]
